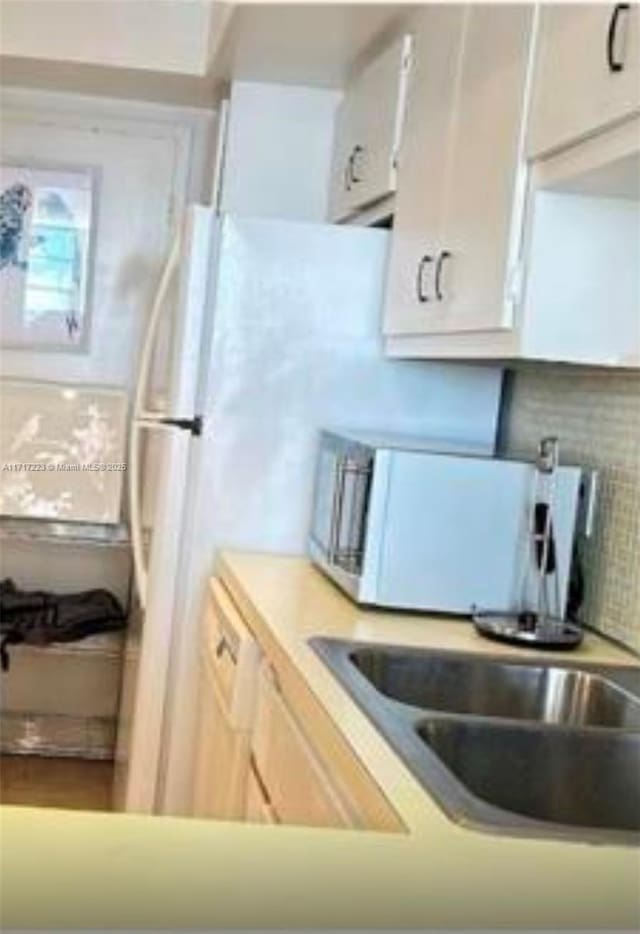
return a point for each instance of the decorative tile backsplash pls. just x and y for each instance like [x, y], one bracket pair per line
[596, 416]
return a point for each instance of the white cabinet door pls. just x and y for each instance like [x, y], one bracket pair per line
[485, 188]
[368, 132]
[340, 195]
[422, 172]
[587, 73]
[461, 177]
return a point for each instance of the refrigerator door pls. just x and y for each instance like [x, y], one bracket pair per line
[149, 636]
[159, 450]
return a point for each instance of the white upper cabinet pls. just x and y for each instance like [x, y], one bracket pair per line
[587, 74]
[485, 171]
[496, 256]
[461, 187]
[368, 132]
[419, 204]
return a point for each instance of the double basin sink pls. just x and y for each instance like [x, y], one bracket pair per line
[512, 746]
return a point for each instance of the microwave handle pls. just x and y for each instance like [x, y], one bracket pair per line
[337, 506]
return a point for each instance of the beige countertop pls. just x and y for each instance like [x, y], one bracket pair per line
[70, 870]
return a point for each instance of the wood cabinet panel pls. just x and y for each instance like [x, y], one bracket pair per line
[222, 758]
[297, 783]
[226, 703]
[233, 655]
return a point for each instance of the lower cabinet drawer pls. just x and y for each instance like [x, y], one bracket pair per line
[296, 782]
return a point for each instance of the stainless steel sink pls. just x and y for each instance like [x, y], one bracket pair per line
[583, 779]
[487, 688]
[517, 747]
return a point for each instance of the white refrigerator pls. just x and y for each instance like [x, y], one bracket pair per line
[269, 331]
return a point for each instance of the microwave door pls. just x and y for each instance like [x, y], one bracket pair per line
[341, 506]
[351, 519]
[327, 490]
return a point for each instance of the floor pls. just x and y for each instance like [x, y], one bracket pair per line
[79, 784]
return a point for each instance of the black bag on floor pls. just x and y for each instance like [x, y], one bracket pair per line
[39, 618]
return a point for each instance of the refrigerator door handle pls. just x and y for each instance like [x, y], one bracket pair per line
[140, 564]
[170, 269]
[142, 418]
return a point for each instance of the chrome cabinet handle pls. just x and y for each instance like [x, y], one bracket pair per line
[421, 292]
[444, 255]
[615, 65]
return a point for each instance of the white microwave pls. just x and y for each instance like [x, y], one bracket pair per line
[428, 525]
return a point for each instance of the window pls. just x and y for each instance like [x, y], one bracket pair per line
[45, 234]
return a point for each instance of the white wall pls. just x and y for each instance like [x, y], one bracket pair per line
[279, 148]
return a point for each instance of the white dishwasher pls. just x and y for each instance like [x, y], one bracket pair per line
[228, 675]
